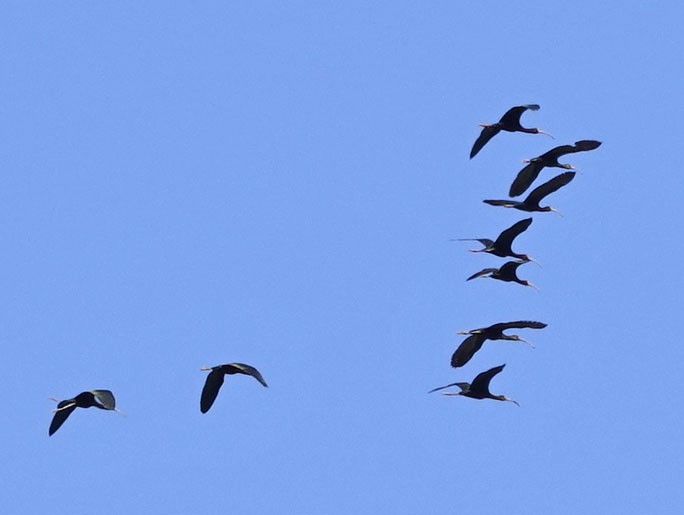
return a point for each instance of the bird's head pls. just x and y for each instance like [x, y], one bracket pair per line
[517, 338]
[528, 283]
[539, 131]
[504, 398]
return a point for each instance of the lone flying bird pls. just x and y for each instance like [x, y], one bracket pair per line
[215, 380]
[510, 122]
[103, 399]
[479, 388]
[502, 246]
[527, 175]
[507, 273]
[477, 337]
[531, 203]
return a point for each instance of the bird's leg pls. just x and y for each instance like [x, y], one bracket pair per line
[62, 408]
[451, 393]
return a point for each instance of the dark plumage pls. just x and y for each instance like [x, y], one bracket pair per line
[103, 399]
[510, 122]
[477, 337]
[502, 246]
[479, 388]
[215, 379]
[507, 273]
[531, 203]
[527, 175]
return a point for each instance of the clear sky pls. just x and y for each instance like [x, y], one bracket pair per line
[277, 183]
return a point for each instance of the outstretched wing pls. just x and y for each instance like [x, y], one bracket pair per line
[579, 146]
[485, 241]
[525, 177]
[518, 324]
[64, 409]
[462, 386]
[512, 116]
[505, 239]
[241, 368]
[105, 398]
[487, 133]
[549, 187]
[505, 203]
[211, 389]
[467, 350]
[485, 272]
[481, 381]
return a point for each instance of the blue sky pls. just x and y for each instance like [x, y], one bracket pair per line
[189, 184]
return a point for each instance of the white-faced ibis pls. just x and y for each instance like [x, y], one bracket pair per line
[215, 379]
[510, 122]
[103, 399]
[527, 175]
[477, 337]
[502, 246]
[507, 273]
[531, 203]
[479, 388]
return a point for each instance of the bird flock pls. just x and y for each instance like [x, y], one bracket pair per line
[502, 245]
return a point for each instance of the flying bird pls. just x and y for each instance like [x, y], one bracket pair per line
[531, 203]
[103, 399]
[215, 379]
[477, 337]
[479, 388]
[507, 273]
[510, 122]
[527, 175]
[502, 246]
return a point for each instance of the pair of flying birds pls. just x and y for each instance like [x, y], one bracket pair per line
[104, 399]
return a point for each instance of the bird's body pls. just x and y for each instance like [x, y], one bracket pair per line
[531, 203]
[215, 379]
[509, 122]
[477, 337]
[507, 273]
[103, 399]
[527, 175]
[479, 388]
[502, 245]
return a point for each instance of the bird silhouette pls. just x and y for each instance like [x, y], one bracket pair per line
[531, 202]
[502, 245]
[529, 173]
[103, 399]
[215, 379]
[510, 122]
[477, 337]
[507, 273]
[479, 388]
